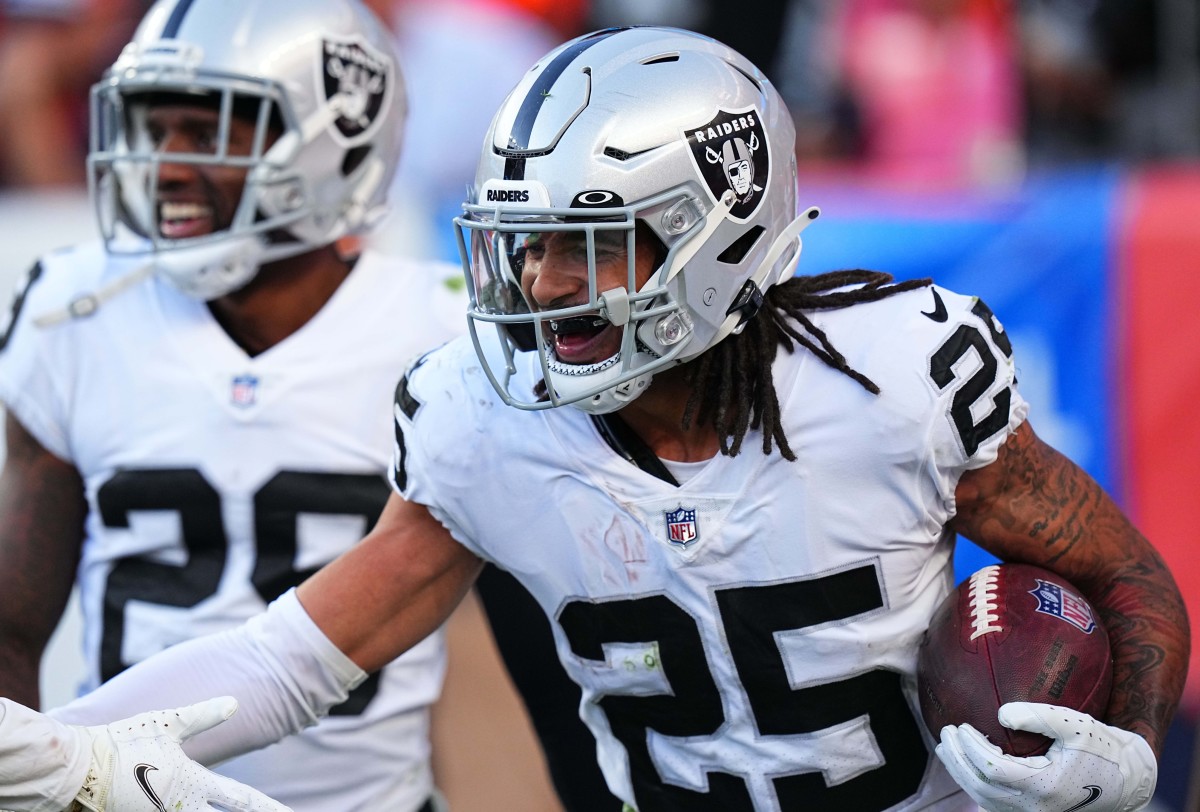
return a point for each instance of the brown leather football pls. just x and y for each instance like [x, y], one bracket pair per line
[1010, 633]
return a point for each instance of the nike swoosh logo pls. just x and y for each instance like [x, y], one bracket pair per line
[139, 775]
[939, 308]
[1094, 792]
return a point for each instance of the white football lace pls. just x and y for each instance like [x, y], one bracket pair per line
[983, 602]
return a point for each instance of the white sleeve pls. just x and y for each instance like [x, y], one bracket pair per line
[283, 670]
[42, 764]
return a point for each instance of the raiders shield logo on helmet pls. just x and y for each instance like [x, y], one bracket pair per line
[358, 79]
[731, 153]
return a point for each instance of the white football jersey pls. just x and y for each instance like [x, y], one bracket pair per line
[746, 641]
[215, 481]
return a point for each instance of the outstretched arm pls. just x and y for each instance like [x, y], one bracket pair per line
[393, 589]
[290, 665]
[1035, 506]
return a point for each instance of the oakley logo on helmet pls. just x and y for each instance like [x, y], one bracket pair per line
[357, 80]
[730, 151]
[598, 199]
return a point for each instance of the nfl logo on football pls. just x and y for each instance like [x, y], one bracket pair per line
[681, 526]
[1054, 600]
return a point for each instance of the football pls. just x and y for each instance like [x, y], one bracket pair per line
[1012, 633]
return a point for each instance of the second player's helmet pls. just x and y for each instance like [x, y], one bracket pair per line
[655, 131]
[320, 80]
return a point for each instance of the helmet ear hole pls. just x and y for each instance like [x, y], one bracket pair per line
[646, 236]
[737, 250]
[354, 158]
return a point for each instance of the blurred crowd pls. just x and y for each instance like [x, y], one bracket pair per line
[926, 91]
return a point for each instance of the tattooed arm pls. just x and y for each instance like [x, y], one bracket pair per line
[1034, 505]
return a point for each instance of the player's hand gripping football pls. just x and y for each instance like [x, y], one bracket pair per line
[137, 764]
[1090, 767]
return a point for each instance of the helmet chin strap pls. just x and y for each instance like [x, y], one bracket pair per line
[735, 321]
[228, 272]
[785, 238]
[88, 303]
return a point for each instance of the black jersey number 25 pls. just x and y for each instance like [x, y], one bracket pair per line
[693, 710]
[967, 337]
[185, 491]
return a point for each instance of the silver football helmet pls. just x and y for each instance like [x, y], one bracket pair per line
[321, 83]
[617, 133]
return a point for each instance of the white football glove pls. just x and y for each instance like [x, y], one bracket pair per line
[137, 764]
[1090, 766]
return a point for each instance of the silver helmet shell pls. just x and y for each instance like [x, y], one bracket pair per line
[322, 73]
[656, 126]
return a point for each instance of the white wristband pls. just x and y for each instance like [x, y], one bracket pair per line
[42, 762]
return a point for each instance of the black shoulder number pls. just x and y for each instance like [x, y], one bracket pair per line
[973, 433]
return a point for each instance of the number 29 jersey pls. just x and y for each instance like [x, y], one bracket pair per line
[747, 640]
[215, 481]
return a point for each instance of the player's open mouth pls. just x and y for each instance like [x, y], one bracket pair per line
[583, 339]
[179, 220]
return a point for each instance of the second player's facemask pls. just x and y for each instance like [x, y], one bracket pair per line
[126, 165]
[321, 91]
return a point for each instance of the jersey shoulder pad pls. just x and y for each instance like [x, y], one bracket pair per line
[941, 358]
[69, 284]
[902, 330]
[439, 406]
[51, 283]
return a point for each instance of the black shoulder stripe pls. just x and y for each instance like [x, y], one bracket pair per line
[404, 399]
[18, 302]
[400, 460]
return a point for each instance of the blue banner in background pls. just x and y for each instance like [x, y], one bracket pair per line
[1040, 255]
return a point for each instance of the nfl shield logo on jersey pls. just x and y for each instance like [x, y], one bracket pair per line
[682, 528]
[1054, 600]
[244, 391]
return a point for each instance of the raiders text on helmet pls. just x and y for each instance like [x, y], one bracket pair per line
[655, 129]
[320, 80]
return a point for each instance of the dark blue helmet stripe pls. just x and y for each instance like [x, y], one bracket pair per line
[536, 97]
[514, 169]
[175, 21]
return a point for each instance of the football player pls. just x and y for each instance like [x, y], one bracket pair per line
[734, 491]
[198, 406]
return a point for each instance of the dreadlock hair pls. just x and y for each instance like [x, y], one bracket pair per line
[731, 384]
